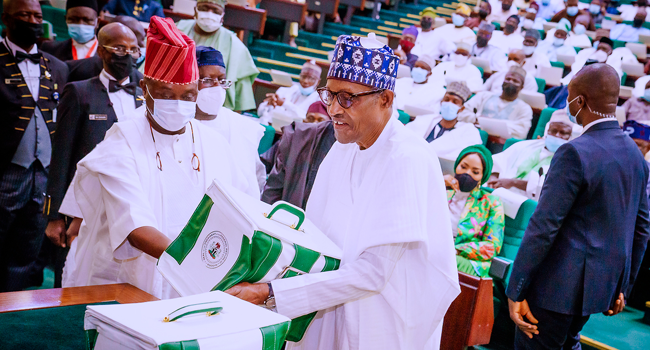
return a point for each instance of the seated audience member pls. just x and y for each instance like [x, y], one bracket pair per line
[597, 11]
[578, 36]
[81, 18]
[530, 18]
[495, 81]
[522, 4]
[294, 161]
[295, 99]
[457, 31]
[206, 30]
[628, 12]
[556, 44]
[419, 90]
[630, 33]
[427, 42]
[501, 10]
[548, 8]
[473, 208]
[517, 168]
[443, 131]
[506, 106]
[479, 16]
[640, 86]
[406, 44]
[142, 10]
[483, 49]
[640, 133]
[242, 134]
[535, 59]
[570, 13]
[638, 108]
[460, 68]
[603, 53]
[509, 38]
[317, 113]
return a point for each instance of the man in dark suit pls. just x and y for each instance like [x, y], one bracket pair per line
[585, 242]
[32, 81]
[88, 109]
[81, 18]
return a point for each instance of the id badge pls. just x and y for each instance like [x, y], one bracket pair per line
[97, 117]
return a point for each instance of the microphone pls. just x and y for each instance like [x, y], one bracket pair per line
[539, 188]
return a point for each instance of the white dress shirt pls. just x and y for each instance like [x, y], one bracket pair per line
[123, 103]
[30, 70]
[597, 121]
[85, 50]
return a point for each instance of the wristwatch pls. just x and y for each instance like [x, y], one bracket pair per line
[269, 303]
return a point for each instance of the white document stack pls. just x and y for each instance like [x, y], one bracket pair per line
[184, 324]
[233, 237]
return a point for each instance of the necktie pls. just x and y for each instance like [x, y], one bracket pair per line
[21, 56]
[114, 86]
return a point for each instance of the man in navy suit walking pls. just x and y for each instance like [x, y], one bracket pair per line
[585, 242]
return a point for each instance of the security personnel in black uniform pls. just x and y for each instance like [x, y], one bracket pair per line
[32, 81]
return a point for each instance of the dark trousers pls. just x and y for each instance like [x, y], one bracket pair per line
[556, 331]
[22, 225]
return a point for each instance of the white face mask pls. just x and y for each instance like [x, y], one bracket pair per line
[210, 100]
[512, 64]
[459, 60]
[557, 42]
[599, 55]
[528, 23]
[172, 115]
[529, 50]
[208, 21]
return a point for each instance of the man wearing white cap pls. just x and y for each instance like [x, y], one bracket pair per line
[535, 59]
[419, 90]
[380, 196]
[516, 58]
[518, 167]
[460, 68]
[556, 44]
[483, 49]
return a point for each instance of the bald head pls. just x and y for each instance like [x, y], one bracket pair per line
[115, 42]
[518, 56]
[134, 25]
[114, 32]
[590, 101]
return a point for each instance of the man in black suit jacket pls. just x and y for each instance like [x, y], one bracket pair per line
[88, 109]
[81, 17]
[32, 81]
[585, 242]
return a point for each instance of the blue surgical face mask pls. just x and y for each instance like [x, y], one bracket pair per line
[419, 75]
[558, 42]
[646, 95]
[594, 9]
[306, 91]
[81, 33]
[572, 10]
[457, 19]
[449, 111]
[552, 143]
[572, 118]
[595, 45]
[579, 29]
[546, 2]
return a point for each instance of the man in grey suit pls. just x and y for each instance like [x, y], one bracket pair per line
[585, 242]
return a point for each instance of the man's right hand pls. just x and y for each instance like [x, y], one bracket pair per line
[56, 232]
[519, 310]
[73, 230]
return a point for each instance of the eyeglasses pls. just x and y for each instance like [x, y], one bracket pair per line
[121, 51]
[216, 82]
[345, 99]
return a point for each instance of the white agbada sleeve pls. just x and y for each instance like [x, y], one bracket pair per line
[69, 204]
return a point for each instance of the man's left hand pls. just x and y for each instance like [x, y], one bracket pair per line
[498, 183]
[618, 306]
[519, 310]
[255, 293]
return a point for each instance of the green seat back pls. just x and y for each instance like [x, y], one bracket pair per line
[484, 136]
[57, 18]
[541, 85]
[497, 25]
[623, 78]
[404, 117]
[267, 140]
[557, 64]
[509, 142]
[619, 43]
[544, 117]
[644, 25]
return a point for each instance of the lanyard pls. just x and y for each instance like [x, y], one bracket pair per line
[90, 52]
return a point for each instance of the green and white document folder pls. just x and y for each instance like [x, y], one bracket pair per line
[213, 320]
[233, 237]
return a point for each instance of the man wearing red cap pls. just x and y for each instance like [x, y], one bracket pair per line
[138, 188]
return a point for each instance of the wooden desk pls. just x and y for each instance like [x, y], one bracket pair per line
[286, 10]
[324, 7]
[470, 317]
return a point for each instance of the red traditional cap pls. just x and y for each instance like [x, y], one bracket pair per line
[171, 56]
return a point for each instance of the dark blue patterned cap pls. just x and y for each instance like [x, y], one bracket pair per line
[207, 56]
[375, 67]
[637, 130]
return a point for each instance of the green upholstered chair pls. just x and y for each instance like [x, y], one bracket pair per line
[544, 117]
[484, 136]
[404, 117]
[267, 140]
[557, 64]
[56, 16]
[541, 85]
[481, 70]
[497, 25]
[619, 43]
[509, 142]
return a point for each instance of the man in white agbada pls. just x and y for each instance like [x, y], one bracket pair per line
[428, 42]
[460, 68]
[509, 38]
[137, 189]
[444, 133]
[578, 36]
[516, 58]
[457, 31]
[517, 168]
[419, 90]
[242, 134]
[294, 100]
[556, 44]
[483, 49]
[629, 11]
[535, 59]
[548, 8]
[630, 33]
[501, 10]
[506, 106]
[379, 195]
[603, 53]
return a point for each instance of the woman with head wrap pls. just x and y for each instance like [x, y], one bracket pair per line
[477, 218]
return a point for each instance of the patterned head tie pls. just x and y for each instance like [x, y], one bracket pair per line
[364, 61]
